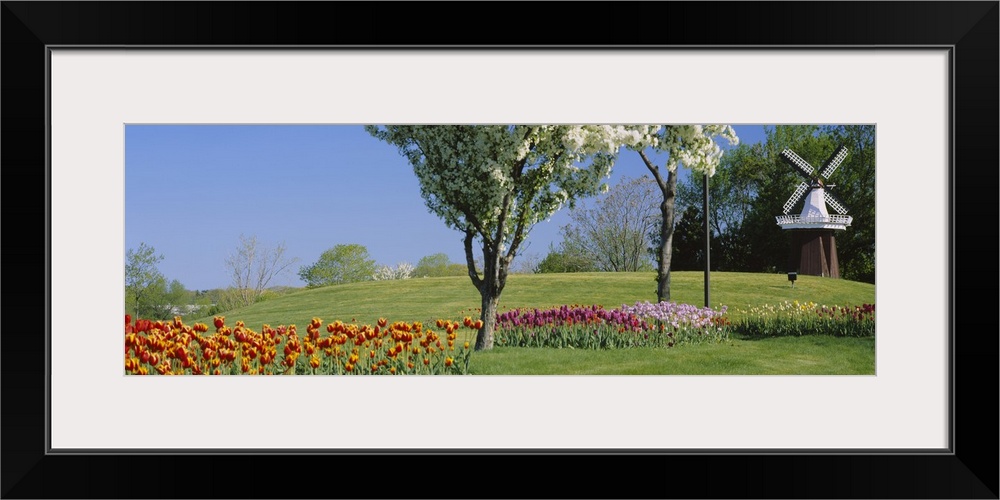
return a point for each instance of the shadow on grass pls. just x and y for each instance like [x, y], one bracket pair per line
[813, 336]
[756, 338]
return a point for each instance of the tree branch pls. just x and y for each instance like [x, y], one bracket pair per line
[470, 260]
[653, 169]
[523, 218]
[472, 219]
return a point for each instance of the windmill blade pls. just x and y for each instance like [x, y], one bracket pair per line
[835, 203]
[797, 195]
[801, 166]
[834, 161]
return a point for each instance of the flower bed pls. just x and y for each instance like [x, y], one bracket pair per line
[174, 348]
[808, 318]
[592, 327]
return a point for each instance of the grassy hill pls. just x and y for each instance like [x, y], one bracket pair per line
[427, 299]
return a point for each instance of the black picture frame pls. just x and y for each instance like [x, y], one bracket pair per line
[970, 470]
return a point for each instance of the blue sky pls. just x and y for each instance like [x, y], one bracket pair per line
[192, 190]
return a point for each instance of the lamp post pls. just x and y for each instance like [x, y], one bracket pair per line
[708, 236]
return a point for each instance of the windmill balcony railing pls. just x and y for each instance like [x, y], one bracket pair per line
[829, 219]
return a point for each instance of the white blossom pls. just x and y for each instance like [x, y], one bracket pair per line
[402, 271]
[692, 146]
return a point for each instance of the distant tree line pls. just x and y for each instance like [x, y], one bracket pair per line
[252, 267]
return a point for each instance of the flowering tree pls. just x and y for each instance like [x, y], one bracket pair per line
[494, 182]
[402, 271]
[694, 147]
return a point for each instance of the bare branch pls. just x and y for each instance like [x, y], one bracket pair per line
[253, 267]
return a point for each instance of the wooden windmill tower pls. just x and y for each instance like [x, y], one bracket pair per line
[814, 247]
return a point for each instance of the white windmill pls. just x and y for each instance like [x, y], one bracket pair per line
[814, 248]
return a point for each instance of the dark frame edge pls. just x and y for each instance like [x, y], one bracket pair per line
[960, 463]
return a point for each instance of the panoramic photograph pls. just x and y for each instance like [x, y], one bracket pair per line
[692, 249]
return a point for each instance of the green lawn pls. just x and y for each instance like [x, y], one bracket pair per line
[427, 299]
[808, 355]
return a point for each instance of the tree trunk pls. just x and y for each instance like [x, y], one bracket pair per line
[490, 286]
[484, 339]
[669, 189]
[494, 278]
[666, 239]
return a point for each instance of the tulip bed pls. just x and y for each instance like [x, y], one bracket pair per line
[808, 318]
[173, 348]
[592, 327]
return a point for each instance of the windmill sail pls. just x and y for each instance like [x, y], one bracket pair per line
[835, 203]
[796, 196]
[801, 166]
[833, 162]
